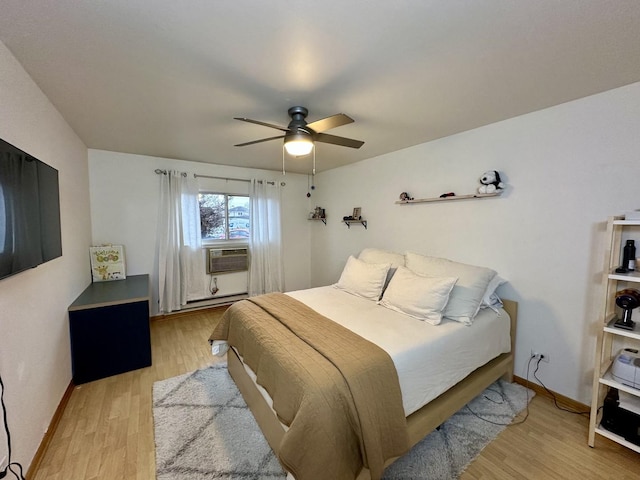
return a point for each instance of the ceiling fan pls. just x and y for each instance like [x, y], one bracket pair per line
[299, 136]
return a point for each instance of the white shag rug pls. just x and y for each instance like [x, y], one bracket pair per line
[204, 430]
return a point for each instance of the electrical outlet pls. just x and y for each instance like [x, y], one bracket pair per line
[536, 355]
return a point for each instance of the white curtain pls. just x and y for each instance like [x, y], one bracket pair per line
[180, 259]
[266, 272]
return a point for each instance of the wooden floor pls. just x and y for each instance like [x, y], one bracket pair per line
[106, 431]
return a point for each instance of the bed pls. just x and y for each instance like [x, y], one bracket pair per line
[464, 346]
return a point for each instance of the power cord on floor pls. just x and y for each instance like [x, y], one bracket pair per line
[555, 400]
[10, 464]
[502, 401]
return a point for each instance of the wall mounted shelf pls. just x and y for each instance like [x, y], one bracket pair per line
[349, 222]
[446, 199]
[322, 219]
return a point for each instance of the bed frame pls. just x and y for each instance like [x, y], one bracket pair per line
[419, 423]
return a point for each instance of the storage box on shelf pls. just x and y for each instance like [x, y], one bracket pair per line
[610, 337]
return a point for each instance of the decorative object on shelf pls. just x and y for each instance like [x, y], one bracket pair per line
[318, 214]
[404, 196]
[627, 300]
[355, 217]
[107, 263]
[449, 194]
[491, 182]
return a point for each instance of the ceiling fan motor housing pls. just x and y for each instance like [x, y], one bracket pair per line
[298, 115]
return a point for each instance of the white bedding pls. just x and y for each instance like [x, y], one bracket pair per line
[429, 359]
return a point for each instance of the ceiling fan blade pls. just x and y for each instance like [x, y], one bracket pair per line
[334, 140]
[259, 141]
[257, 122]
[328, 123]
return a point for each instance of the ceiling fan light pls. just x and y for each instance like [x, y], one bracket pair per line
[298, 145]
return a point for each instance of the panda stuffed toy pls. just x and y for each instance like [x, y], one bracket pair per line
[491, 182]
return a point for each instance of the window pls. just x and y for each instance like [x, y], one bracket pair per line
[223, 216]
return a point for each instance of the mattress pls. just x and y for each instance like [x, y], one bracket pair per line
[429, 359]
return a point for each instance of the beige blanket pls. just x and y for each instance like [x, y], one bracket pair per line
[337, 392]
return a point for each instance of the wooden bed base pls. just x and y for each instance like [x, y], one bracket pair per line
[419, 423]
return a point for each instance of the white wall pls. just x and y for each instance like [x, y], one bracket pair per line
[124, 209]
[34, 334]
[567, 168]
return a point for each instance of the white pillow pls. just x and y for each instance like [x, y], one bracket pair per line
[469, 290]
[378, 255]
[491, 299]
[418, 296]
[363, 279]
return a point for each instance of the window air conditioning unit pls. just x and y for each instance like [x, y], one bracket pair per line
[227, 260]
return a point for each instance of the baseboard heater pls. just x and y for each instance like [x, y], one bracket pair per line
[214, 301]
[222, 298]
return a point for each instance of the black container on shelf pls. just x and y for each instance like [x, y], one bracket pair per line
[629, 256]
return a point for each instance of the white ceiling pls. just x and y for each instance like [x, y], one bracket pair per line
[166, 77]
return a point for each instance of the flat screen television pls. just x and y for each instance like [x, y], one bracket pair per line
[29, 211]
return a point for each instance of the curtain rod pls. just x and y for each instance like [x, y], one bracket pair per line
[164, 172]
[234, 179]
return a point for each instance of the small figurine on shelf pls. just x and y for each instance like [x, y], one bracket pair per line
[491, 182]
[404, 197]
[318, 212]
